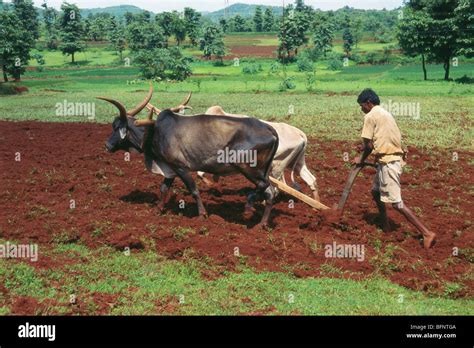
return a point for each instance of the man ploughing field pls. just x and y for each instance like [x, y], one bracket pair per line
[381, 136]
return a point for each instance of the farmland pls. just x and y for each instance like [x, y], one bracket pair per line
[178, 264]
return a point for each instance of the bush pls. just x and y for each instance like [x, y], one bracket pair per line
[304, 64]
[287, 83]
[311, 54]
[10, 89]
[335, 64]
[163, 63]
[6, 89]
[252, 68]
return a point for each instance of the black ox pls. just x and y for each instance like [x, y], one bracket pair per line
[175, 145]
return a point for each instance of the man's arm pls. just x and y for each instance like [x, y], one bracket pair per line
[366, 151]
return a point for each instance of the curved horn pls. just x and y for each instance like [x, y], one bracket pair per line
[149, 121]
[188, 98]
[154, 108]
[119, 105]
[140, 106]
[184, 104]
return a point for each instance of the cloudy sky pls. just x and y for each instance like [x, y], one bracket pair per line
[212, 5]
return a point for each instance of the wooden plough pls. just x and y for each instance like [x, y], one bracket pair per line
[302, 197]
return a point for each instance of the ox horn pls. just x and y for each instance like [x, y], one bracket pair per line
[184, 104]
[140, 106]
[148, 122]
[119, 105]
[153, 108]
[123, 112]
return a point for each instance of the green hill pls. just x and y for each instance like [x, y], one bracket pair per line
[240, 9]
[117, 11]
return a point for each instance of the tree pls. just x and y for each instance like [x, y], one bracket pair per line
[193, 21]
[258, 19]
[19, 30]
[128, 16]
[10, 43]
[288, 37]
[448, 23]
[145, 36]
[323, 36]
[302, 17]
[165, 21]
[212, 43]
[71, 30]
[28, 17]
[224, 25]
[50, 16]
[268, 19]
[163, 63]
[464, 24]
[414, 36]
[118, 39]
[347, 37]
[98, 26]
[239, 23]
[358, 30]
[179, 29]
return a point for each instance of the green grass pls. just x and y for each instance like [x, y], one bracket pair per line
[444, 121]
[149, 284]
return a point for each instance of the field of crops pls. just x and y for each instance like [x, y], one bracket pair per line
[113, 253]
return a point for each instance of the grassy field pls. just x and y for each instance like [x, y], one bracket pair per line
[326, 109]
[178, 287]
[329, 111]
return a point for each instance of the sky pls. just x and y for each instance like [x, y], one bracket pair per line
[213, 5]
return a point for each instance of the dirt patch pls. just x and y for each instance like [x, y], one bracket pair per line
[252, 51]
[115, 204]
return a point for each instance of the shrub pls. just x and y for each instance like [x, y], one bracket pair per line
[304, 64]
[162, 63]
[286, 84]
[7, 89]
[252, 68]
[335, 64]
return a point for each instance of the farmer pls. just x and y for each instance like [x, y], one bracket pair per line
[381, 136]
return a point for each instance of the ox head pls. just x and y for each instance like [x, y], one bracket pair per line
[125, 135]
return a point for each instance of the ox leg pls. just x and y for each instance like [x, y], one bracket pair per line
[309, 179]
[164, 189]
[192, 188]
[268, 194]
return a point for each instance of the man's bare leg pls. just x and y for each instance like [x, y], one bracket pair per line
[382, 211]
[428, 236]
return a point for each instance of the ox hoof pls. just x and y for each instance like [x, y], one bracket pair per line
[208, 182]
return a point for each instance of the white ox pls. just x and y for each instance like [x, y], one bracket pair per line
[290, 153]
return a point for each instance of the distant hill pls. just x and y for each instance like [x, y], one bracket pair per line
[117, 11]
[244, 10]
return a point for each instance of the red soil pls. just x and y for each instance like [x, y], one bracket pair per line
[116, 205]
[252, 51]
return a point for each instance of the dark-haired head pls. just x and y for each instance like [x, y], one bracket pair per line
[368, 99]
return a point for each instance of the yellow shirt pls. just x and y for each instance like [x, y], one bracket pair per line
[381, 128]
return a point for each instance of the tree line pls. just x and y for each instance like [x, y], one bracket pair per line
[436, 31]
